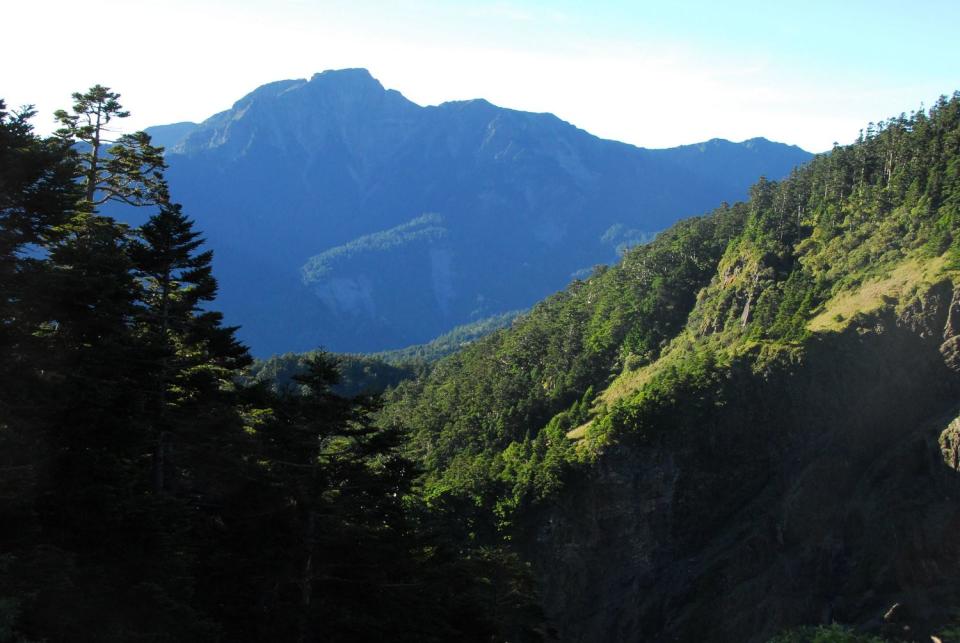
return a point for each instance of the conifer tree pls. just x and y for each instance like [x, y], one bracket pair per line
[128, 169]
[131, 543]
[177, 278]
[195, 353]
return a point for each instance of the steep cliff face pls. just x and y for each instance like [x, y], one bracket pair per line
[812, 486]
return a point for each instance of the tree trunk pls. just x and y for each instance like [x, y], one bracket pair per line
[94, 162]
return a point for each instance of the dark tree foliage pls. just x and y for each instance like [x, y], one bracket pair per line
[37, 196]
[338, 544]
[144, 494]
[377, 372]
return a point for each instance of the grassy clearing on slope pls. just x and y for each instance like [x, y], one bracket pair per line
[900, 282]
[627, 383]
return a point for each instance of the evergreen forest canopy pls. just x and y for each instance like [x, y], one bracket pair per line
[376, 372]
[144, 494]
[737, 414]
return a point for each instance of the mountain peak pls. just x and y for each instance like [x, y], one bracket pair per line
[347, 72]
[295, 114]
[271, 90]
[327, 171]
[351, 77]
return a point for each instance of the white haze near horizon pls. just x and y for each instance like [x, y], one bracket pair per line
[621, 73]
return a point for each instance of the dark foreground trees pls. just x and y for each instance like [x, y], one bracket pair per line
[144, 495]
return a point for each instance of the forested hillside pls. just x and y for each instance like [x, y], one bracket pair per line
[745, 425]
[373, 373]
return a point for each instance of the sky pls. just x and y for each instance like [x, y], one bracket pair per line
[654, 74]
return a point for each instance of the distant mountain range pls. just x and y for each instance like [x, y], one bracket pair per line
[344, 215]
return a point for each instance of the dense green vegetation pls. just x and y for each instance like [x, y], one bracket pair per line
[449, 342]
[145, 495]
[425, 228]
[374, 373]
[490, 423]
[359, 374]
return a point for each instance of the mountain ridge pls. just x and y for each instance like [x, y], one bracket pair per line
[362, 74]
[300, 167]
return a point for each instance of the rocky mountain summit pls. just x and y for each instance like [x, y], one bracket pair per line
[300, 172]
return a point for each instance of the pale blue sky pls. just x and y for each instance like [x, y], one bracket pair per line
[650, 73]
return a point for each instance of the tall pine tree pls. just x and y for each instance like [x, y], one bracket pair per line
[128, 169]
[197, 357]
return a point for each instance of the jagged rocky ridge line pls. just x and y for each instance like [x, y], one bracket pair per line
[344, 215]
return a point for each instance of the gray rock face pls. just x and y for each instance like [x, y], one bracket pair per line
[298, 169]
